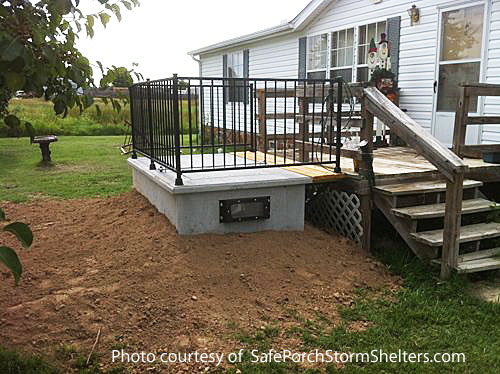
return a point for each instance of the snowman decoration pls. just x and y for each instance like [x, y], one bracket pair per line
[384, 55]
[372, 58]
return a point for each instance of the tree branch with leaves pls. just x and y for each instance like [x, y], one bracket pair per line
[38, 53]
[8, 255]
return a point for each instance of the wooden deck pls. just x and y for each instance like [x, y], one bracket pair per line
[388, 163]
[318, 173]
[405, 162]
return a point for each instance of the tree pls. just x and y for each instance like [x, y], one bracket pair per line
[118, 77]
[38, 52]
[8, 256]
[122, 78]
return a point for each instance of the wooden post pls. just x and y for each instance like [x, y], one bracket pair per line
[261, 95]
[366, 169]
[303, 135]
[366, 221]
[366, 133]
[460, 129]
[452, 225]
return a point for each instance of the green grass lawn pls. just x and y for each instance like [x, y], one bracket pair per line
[82, 167]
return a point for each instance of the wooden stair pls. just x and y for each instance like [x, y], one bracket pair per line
[410, 205]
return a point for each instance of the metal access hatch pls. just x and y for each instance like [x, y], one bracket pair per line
[242, 210]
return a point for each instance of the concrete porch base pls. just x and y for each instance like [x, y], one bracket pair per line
[194, 207]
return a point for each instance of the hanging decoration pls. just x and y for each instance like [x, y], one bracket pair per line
[379, 67]
[380, 75]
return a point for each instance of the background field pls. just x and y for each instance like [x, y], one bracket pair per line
[40, 114]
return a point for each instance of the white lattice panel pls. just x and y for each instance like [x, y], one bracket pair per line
[338, 211]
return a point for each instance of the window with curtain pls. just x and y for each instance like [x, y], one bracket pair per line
[342, 54]
[365, 34]
[317, 56]
[235, 69]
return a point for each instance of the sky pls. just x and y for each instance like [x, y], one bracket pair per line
[159, 34]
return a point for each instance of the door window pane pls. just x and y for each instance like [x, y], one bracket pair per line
[450, 76]
[462, 33]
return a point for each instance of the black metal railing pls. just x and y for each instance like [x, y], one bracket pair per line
[208, 124]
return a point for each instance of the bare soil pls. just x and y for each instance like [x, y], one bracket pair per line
[118, 265]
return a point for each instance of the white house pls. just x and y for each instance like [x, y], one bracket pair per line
[451, 42]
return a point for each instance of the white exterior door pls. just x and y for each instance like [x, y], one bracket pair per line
[460, 51]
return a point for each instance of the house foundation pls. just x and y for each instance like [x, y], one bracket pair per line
[229, 201]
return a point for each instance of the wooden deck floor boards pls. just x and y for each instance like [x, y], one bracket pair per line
[388, 162]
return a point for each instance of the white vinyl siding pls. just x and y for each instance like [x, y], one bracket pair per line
[272, 58]
[277, 57]
[491, 133]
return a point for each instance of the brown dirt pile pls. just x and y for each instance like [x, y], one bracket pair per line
[117, 264]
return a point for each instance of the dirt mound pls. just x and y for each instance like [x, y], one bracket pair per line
[117, 264]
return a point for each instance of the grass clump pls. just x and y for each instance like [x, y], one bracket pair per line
[13, 362]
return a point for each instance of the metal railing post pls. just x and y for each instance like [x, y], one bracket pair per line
[177, 132]
[338, 144]
[132, 120]
[150, 120]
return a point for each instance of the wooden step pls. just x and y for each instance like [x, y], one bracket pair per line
[482, 264]
[468, 233]
[437, 210]
[477, 261]
[495, 252]
[421, 187]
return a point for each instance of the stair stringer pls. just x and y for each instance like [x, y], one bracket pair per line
[404, 228]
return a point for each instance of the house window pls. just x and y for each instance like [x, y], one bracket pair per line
[235, 69]
[317, 55]
[342, 54]
[365, 34]
[337, 57]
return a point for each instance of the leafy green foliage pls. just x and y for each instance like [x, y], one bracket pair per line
[38, 51]
[12, 362]
[22, 232]
[118, 76]
[8, 256]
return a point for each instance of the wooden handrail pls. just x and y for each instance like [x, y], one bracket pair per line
[467, 92]
[447, 162]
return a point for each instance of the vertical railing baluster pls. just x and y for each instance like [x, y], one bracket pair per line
[338, 169]
[178, 168]
[150, 123]
[133, 120]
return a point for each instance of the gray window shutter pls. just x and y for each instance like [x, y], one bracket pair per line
[224, 66]
[393, 35]
[246, 63]
[225, 75]
[302, 57]
[246, 72]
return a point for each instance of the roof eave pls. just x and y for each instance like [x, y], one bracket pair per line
[259, 35]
